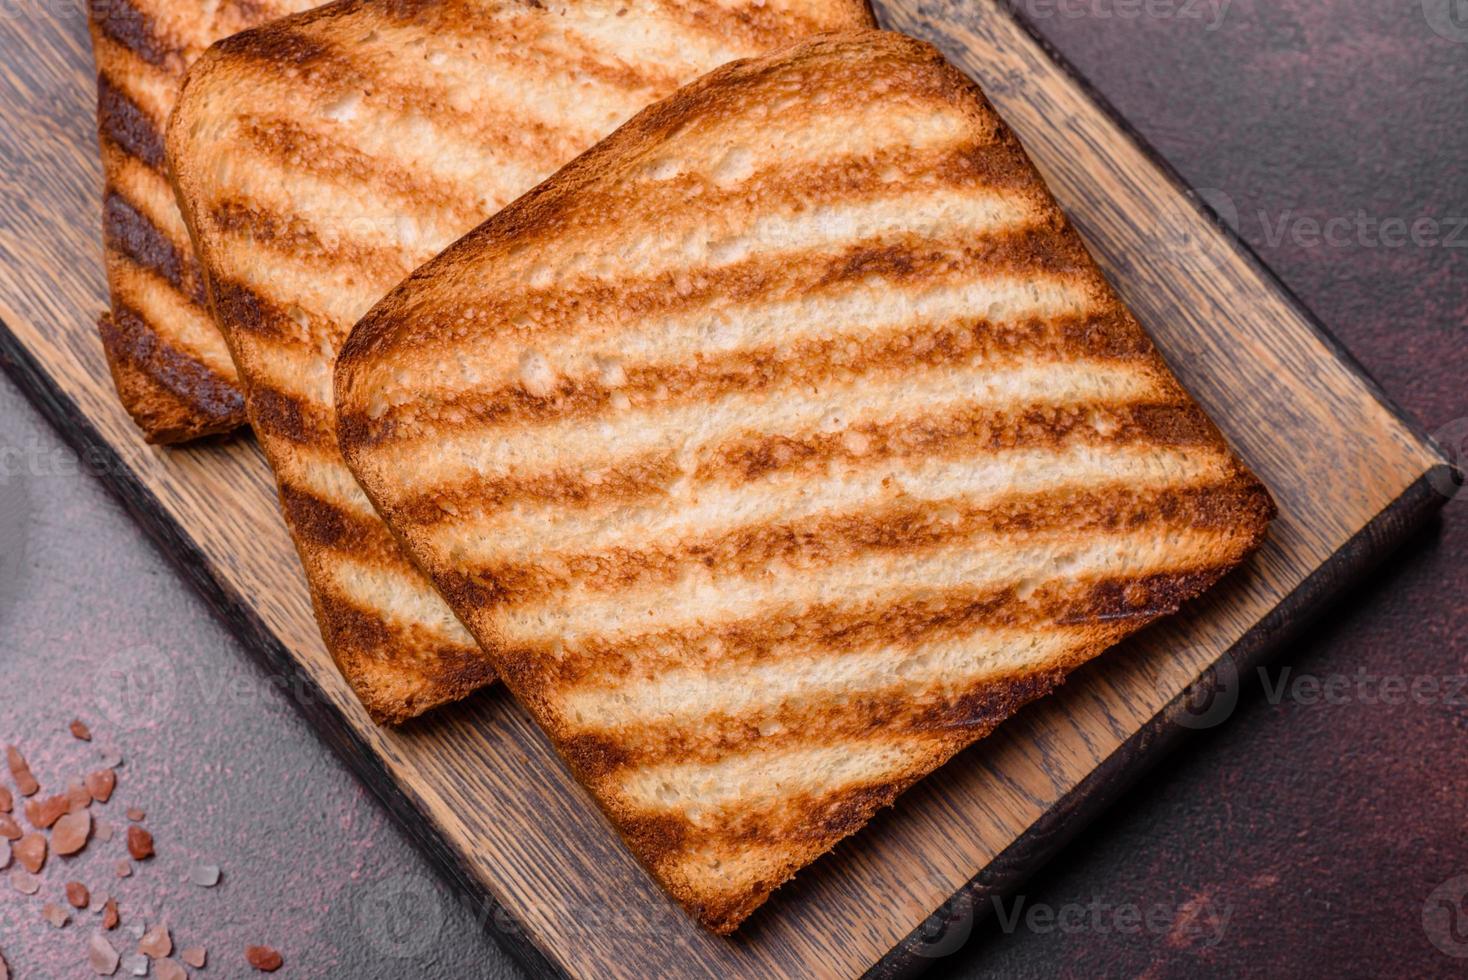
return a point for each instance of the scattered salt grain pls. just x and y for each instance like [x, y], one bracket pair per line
[204, 875]
[71, 832]
[43, 813]
[139, 843]
[135, 815]
[263, 958]
[156, 942]
[101, 783]
[30, 851]
[77, 895]
[124, 869]
[111, 758]
[102, 830]
[169, 970]
[194, 956]
[109, 914]
[80, 730]
[24, 882]
[136, 964]
[55, 914]
[101, 956]
[20, 771]
[77, 796]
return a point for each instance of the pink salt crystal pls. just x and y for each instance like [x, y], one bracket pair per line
[156, 942]
[102, 956]
[71, 832]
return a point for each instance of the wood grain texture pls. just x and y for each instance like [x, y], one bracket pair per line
[479, 786]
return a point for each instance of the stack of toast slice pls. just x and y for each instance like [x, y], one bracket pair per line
[168, 360]
[779, 447]
[323, 157]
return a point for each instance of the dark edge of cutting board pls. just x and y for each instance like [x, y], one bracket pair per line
[1032, 849]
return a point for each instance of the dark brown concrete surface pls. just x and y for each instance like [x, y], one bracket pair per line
[1315, 833]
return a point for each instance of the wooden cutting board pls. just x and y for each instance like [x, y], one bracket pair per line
[479, 787]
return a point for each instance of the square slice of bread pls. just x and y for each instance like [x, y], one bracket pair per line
[781, 446]
[320, 159]
[170, 365]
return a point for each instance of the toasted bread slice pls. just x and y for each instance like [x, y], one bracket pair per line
[167, 358]
[779, 447]
[320, 159]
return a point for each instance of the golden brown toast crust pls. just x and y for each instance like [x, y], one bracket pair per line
[779, 447]
[323, 157]
[171, 367]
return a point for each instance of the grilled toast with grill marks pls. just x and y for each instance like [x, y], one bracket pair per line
[322, 158]
[779, 447]
[170, 365]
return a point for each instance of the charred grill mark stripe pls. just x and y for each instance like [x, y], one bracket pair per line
[128, 336]
[317, 65]
[888, 703]
[806, 362]
[127, 126]
[323, 523]
[392, 588]
[576, 615]
[289, 417]
[816, 543]
[307, 241]
[460, 457]
[743, 780]
[852, 312]
[896, 625]
[575, 53]
[752, 466]
[289, 144]
[987, 236]
[240, 306]
[128, 231]
[136, 30]
[426, 670]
